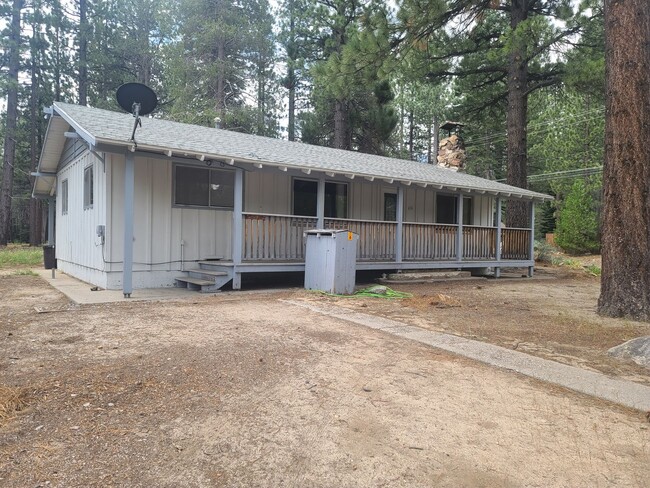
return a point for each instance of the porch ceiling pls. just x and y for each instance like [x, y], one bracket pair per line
[103, 127]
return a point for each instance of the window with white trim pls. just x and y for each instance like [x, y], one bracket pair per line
[204, 187]
[88, 187]
[64, 197]
[305, 198]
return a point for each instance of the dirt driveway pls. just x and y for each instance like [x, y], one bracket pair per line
[243, 390]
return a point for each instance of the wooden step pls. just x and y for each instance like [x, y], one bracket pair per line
[207, 272]
[195, 281]
[215, 263]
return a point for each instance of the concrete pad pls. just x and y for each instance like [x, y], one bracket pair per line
[80, 292]
[598, 385]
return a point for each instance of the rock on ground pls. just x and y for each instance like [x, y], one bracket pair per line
[638, 350]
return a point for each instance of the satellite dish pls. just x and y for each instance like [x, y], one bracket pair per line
[131, 94]
[137, 99]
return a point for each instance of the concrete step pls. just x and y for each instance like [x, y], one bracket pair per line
[427, 275]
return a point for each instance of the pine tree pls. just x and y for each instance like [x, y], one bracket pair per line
[625, 279]
[498, 50]
[13, 47]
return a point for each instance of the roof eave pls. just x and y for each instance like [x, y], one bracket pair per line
[130, 146]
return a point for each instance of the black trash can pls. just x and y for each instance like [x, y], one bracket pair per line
[49, 257]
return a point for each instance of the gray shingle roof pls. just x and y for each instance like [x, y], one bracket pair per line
[104, 126]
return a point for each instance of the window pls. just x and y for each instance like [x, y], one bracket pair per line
[64, 197]
[88, 187]
[446, 209]
[203, 187]
[390, 207]
[336, 200]
[305, 198]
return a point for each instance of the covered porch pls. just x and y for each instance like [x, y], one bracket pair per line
[273, 242]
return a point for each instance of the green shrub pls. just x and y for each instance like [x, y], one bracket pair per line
[544, 252]
[577, 222]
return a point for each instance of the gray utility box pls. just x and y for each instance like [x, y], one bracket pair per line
[331, 260]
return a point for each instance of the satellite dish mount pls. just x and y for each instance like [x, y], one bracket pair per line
[137, 99]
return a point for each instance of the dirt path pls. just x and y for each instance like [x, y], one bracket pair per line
[246, 391]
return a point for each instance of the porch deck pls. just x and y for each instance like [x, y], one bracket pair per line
[276, 243]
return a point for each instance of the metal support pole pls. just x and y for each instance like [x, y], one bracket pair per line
[497, 269]
[400, 225]
[237, 227]
[459, 230]
[51, 212]
[531, 250]
[320, 203]
[127, 267]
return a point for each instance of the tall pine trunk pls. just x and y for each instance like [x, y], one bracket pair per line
[341, 130]
[291, 74]
[291, 126]
[411, 134]
[221, 82]
[9, 156]
[625, 280]
[83, 52]
[516, 117]
[35, 211]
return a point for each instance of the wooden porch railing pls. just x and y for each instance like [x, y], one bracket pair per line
[376, 237]
[479, 243]
[275, 237]
[515, 243]
[429, 241]
[269, 237]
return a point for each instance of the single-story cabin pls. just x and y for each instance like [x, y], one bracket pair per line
[201, 206]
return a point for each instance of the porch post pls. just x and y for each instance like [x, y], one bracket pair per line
[400, 224]
[531, 250]
[497, 269]
[459, 230]
[127, 267]
[237, 227]
[320, 203]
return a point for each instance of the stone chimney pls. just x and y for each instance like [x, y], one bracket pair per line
[451, 149]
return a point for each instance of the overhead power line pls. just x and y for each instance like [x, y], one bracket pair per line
[570, 173]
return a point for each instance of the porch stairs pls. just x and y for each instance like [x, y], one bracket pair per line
[209, 277]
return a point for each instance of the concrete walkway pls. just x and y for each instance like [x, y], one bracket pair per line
[80, 292]
[625, 393]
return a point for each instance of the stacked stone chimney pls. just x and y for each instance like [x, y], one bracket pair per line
[451, 153]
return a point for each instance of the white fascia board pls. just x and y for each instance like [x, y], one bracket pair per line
[85, 135]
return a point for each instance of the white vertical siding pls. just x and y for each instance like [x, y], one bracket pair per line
[268, 192]
[159, 228]
[77, 245]
[419, 205]
[483, 210]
